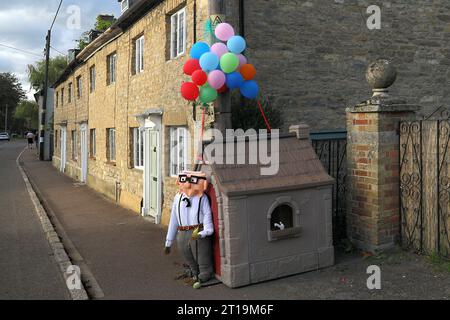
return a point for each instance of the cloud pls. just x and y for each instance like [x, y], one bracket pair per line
[24, 25]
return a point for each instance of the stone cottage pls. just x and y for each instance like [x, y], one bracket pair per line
[122, 127]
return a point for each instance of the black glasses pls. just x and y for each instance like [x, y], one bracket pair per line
[192, 179]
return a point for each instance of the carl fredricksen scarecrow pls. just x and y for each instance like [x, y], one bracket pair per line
[192, 224]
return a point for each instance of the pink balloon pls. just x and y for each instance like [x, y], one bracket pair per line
[219, 49]
[242, 60]
[224, 31]
[216, 79]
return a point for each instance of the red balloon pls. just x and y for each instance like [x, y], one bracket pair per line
[191, 66]
[190, 91]
[199, 77]
[223, 89]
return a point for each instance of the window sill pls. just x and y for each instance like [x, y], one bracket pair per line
[177, 57]
[111, 163]
[285, 234]
[93, 158]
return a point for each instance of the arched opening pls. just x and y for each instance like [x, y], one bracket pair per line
[282, 218]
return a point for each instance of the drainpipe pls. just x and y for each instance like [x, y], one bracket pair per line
[241, 18]
[222, 106]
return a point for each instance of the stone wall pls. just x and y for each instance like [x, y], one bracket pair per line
[311, 55]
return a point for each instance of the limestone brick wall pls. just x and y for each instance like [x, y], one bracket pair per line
[116, 105]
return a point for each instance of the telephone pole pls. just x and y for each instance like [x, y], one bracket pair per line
[44, 100]
[45, 91]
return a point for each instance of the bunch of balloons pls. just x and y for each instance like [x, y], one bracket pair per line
[219, 68]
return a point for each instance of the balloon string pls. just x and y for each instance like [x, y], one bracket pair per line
[264, 116]
[200, 158]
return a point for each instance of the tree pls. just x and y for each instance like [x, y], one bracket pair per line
[102, 23]
[36, 73]
[246, 114]
[27, 115]
[11, 93]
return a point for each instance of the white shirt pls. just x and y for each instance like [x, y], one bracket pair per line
[186, 217]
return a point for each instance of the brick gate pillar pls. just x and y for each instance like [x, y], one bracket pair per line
[373, 207]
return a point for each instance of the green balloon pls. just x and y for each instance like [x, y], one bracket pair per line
[208, 94]
[229, 62]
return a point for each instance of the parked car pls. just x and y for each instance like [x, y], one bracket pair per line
[4, 136]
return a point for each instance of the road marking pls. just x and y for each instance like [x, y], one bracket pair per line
[59, 252]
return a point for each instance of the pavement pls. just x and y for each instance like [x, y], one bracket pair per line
[121, 256]
[27, 267]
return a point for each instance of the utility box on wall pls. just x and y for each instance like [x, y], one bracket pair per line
[272, 226]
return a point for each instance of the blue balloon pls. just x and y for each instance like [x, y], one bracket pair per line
[209, 61]
[236, 44]
[199, 49]
[250, 89]
[234, 80]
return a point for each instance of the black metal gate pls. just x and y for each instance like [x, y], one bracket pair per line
[425, 183]
[331, 148]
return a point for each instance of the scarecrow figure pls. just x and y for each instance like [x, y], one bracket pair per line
[191, 224]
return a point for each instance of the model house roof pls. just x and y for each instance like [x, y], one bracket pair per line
[299, 168]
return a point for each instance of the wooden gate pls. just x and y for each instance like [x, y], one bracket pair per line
[425, 185]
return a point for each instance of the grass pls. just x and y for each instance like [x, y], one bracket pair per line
[439, 262]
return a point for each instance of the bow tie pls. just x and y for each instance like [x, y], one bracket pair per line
[188, 202]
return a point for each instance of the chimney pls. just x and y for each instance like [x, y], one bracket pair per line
[72, 55]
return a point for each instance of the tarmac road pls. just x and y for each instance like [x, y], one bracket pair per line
[28, 270]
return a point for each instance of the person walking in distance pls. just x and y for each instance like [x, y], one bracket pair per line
[30, 138]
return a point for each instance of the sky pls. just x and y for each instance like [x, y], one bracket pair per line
[24, 25]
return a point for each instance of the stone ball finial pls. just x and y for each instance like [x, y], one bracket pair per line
[381, 74]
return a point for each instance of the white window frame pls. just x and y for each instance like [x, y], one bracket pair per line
[93, 142]
[139, 53]
[138, 148]
[112, 145]
[92, 76]
[124, 5]
[177, 29]
[112, 63]
[178, 150]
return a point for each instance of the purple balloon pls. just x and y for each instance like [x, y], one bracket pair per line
[224, 31]
[216, 79]
[242, 59]
[219, 49]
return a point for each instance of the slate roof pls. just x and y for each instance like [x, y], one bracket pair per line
[299, 168]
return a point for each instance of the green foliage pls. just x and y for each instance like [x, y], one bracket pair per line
[11, 93]
[246, 114]
[27, 114]
[83, 41]
[36, 73]
[103, 24]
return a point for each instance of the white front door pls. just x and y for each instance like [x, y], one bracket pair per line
[84, 152]
[152, 175]
[63, 144]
